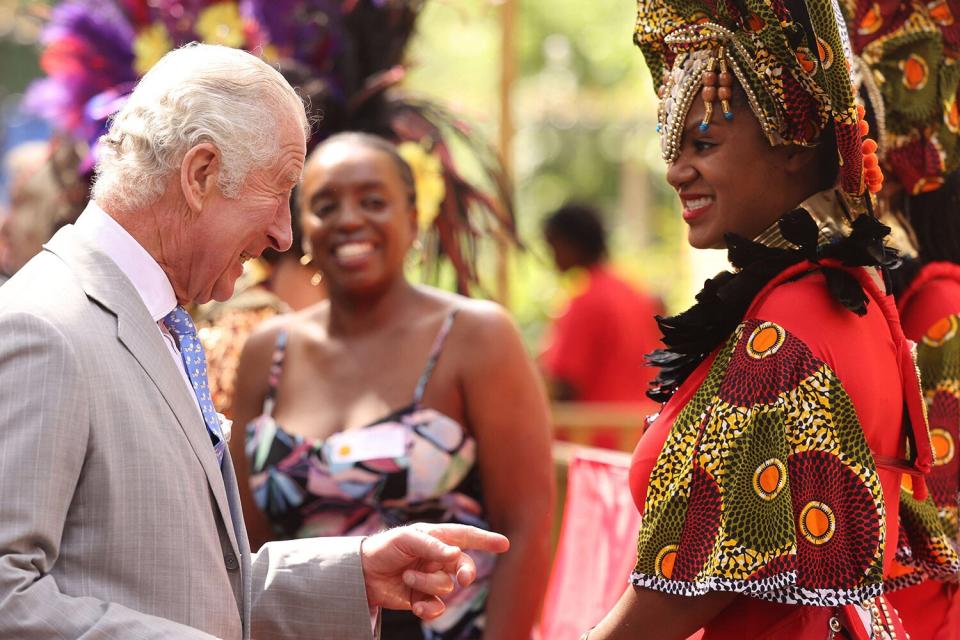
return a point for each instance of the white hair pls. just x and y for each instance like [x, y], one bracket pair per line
[198, 93]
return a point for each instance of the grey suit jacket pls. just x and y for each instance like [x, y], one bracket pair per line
[115, 519]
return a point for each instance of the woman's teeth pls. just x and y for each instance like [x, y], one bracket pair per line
[353, 249]
[698, 203]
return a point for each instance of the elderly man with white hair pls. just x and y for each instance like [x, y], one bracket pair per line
[119, 513]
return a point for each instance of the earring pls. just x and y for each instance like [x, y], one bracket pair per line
[317, 277]
[415, 257]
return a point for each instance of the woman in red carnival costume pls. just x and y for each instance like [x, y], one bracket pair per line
[769, 482]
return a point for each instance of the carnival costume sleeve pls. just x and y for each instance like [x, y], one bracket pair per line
[765, 485]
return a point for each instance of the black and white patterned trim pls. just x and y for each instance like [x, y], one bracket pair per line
[781, 588]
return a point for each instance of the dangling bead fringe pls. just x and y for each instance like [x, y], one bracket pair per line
[708, 93]
[726, 88]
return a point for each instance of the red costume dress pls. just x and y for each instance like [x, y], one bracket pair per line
[774, 469]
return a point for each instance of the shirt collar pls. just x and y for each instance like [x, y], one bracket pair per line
[108, 235]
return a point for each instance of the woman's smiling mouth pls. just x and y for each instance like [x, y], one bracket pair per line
[695, 206]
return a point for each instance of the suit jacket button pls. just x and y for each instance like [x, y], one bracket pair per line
[230, 559]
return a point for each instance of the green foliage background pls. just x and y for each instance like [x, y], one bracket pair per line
[584, 112]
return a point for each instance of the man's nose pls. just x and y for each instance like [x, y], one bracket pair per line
[281, 235]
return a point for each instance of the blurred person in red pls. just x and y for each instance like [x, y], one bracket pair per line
[906, 44]
[595, 349]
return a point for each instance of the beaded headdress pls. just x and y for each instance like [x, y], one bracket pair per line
[911, 53]
[797, 82]
[345, 56]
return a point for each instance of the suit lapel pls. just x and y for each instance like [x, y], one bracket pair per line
[103, 281]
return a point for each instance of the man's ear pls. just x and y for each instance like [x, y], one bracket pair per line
[198, 174]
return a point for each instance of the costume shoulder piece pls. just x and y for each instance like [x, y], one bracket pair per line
[912, 80]
[929, 540]
[765, 485]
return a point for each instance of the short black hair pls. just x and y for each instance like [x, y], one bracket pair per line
[377, 143]
[581, 225]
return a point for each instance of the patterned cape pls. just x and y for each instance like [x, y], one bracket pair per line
[766, 484]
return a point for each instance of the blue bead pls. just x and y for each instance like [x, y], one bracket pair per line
[728, 115]
[704, 126]
[659, 128]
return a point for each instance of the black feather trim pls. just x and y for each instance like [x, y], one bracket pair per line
[691, 335]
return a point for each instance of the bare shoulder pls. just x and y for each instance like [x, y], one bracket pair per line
[263, 339]
[475, 318]
[257, 354]
[484, 334]
[487, 318]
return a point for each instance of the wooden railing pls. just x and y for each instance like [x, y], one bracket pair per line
[614, 426]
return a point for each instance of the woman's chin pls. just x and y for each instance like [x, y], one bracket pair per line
[702, 239]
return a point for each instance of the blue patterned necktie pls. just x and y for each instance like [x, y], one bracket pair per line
[194, 360]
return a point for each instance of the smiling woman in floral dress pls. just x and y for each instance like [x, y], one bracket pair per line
[393, 403]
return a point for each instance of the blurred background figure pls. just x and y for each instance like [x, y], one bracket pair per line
[44, 194]
[595, 349]
[392, 403]
[346, 59]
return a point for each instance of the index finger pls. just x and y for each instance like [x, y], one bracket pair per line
[467, 537]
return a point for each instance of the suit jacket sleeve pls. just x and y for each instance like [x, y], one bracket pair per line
[310, 588]
[44, 429]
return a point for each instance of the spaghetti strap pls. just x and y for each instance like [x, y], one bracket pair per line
[273, 378]
[434, 356]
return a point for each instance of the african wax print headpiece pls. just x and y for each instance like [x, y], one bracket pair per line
[911, 54]
[797, 82]
[346, 56]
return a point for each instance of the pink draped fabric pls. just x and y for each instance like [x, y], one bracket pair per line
[597, 548]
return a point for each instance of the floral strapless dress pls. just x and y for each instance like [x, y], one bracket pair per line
[414, 465]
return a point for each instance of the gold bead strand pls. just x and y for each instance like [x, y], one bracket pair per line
[708, 93]
[726, 87]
